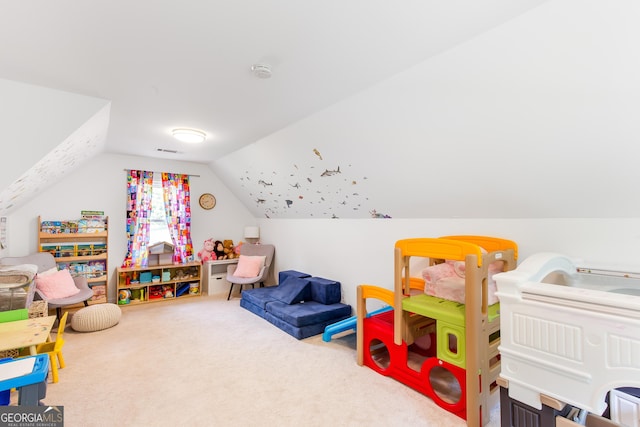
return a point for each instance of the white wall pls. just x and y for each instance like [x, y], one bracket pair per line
[101, 184]
[352, 251]
[360, 251]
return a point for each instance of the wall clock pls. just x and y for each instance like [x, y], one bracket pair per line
[207, 201]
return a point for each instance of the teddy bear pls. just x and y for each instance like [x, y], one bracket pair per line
[218, 249]
[228, 249]
[207, 252]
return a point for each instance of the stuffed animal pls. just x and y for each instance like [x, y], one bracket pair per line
[207, 252]
[228, 249]
[218, 249]
[167, 291]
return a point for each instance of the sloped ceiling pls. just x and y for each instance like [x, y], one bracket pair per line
[536, 118]
[47, 134]
[417, 109]
[187, 64]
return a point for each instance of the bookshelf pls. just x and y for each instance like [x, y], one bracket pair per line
[81, 247]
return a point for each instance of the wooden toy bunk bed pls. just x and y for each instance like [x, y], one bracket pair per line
[475, 323]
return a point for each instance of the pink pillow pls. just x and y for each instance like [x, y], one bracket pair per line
[249, 266]
[57, 285]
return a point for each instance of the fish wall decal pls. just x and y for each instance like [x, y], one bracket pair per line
[328, 172]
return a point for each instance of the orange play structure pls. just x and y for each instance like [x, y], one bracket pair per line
[445, 349]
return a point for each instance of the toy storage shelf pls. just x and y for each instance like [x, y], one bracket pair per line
[81, 247]
[158, 283]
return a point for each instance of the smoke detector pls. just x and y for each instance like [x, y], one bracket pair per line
[262, 71]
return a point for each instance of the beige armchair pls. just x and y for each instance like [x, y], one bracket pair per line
[249, 249]
[45, 261]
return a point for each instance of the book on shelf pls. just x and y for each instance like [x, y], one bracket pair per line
[74, 249]
[84, 225]
[57, 227]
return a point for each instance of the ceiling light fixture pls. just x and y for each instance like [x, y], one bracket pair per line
[189, 135]
[261, 71]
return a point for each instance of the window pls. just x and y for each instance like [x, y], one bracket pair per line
[146, 196]
[158, 228]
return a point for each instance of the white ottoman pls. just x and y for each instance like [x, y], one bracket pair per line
[96, 317]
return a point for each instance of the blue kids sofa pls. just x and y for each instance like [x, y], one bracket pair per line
[300, 305]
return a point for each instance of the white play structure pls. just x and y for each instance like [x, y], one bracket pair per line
[568, 332]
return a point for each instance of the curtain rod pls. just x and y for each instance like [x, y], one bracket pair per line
[190, 174]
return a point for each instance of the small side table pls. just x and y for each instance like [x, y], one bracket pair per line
[215, 272]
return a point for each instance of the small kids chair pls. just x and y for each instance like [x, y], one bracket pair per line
[53, 349]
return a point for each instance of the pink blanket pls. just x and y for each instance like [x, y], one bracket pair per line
[447, 281]
[434, 273]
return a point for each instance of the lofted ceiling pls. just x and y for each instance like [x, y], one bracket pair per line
[168, 64]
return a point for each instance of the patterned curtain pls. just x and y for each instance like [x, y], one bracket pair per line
[177, 205]
[139, 194]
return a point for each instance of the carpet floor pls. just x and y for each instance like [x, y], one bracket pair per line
[206, 361]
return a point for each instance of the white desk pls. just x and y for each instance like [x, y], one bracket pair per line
[215, 276]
